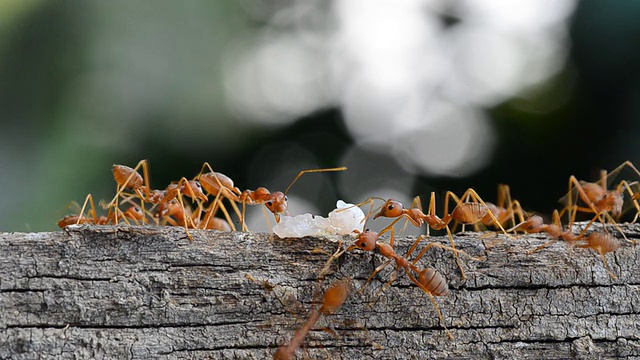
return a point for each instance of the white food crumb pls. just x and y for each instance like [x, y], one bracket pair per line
[339, 223]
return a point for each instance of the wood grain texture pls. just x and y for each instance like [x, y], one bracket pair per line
[147, 292]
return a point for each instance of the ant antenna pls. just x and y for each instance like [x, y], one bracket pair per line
[342, 168]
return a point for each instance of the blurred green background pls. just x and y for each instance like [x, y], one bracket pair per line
[414, 97]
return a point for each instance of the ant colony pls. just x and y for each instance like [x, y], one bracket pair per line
[210, 201]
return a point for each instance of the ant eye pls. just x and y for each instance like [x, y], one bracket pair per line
[269, 203]
[390, 207]
[366, 230]
[285, 198]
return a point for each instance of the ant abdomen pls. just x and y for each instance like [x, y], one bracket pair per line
[433, 281]
[469, 213]
[122, 173]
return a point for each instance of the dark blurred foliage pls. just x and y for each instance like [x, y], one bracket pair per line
[44, 165]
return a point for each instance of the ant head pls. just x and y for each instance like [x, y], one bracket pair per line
[367, 240]
[156, 196]
[277, 203]
[196, 188]
[134, 212]
[392, 208]
[615, 201]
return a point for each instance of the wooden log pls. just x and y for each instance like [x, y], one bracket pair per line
[147, 292]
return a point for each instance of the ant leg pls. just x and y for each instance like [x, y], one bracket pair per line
[244, 212]
[634, 200]
[88, 199]
[444, 247]
[606, 265]
[466, 199]
[414, 246]
[335, 256]
[542, 246]
[120, 188]
[392, 278]
[231, 194]
[477, 198]
[448, 196]
[210, 212]
[213, 209]
[390, 226]
[628, 164]
[581, 193]
[455, 254]
[415, 203]
[377, 270]
[368, 201]
[227, 216]
[266, 218]
[185, 217]
[518, 211]
[604, 260]
[433, 301]
[615, 224]
[366, 218]
[513, 206]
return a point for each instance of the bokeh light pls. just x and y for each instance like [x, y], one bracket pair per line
[413, 96]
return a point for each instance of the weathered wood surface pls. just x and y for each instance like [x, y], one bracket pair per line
[133, 292]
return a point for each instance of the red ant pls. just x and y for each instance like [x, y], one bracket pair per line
[276, 202]
[465, 212]
[133, 213]
[535, 224]
[220, 185]
[431, 282]
[600, 242]
[505, 210]
[597, 199]
[333, 299]
[129, 178]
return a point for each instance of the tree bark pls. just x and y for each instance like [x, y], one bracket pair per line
[147, 292]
